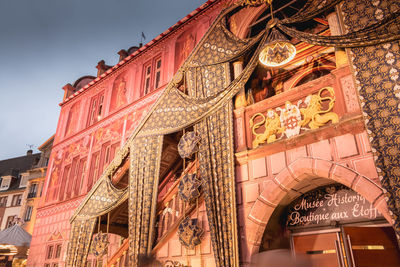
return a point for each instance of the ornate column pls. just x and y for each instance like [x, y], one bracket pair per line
[340, 53]
[240, 100]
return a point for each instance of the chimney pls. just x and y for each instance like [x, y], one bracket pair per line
[29, 152]
[101, 67]
[68, 90]
[122, 54]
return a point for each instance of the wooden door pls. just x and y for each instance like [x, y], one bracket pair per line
[373, 246]
[319, 248]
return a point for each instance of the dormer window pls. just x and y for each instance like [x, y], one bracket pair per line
[5, 183]
[24, 180]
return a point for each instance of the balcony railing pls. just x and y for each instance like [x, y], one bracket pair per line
[121, 257]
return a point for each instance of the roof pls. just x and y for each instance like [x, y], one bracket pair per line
[144, 48]
[47, 143]
[16, 236]
[14, 166]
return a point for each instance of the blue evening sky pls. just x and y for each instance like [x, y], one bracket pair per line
[45, 44]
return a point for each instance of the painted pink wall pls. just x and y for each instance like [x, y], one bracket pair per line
[115, 126]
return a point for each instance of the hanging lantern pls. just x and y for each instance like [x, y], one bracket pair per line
[188, 144]
[189, 187]
[190, 233]
[278, 51]
[100, 244]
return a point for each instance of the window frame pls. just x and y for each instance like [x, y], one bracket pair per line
[152, 79]
[94, 169]
[53, 254]
[10, 220]
[80, 177]
[16, 200]
[33, 188]
[96, 109]
[157, 71]
[28, 211]
[3, 201]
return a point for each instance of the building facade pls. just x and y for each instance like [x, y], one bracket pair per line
[157, 152]
[13, 186]
[35, 181]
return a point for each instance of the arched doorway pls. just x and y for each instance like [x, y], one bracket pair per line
[332, 225]
[327, 212]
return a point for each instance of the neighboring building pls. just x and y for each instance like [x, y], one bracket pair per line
[35, 181]
[12, 187]
[293, 165]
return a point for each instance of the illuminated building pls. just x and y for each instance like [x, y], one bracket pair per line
[290, 163]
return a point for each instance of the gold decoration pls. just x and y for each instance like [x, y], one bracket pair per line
[255, 2]
[272, 125]
[293, 117]
[170, 263]
[313, 115]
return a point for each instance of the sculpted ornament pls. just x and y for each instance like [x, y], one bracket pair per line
[272, 126]
[313, 115]
[292, 118]
[170, 263]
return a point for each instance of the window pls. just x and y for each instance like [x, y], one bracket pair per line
[10, 221]
[73, 176]
[65, 178]
[58, 251]
[28, 213]
[53, 254]
[147, 79]
[81, 176]
[157, 74]
[49, 254]
[24, 181]
[152, 75]
[3, 201]
[16, 200]
[33, 190]
[94, 169]
[96, 109]
[5, 183]
[114, 148]
[105, 155]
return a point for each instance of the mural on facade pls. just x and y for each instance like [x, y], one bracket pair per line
[73, 117]
[184, 45]
[119, 92]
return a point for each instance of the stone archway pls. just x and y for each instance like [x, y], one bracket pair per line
[293, 174]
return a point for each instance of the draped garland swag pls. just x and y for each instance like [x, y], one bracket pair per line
[208, 107]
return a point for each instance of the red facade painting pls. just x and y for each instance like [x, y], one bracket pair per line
[119, 95]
